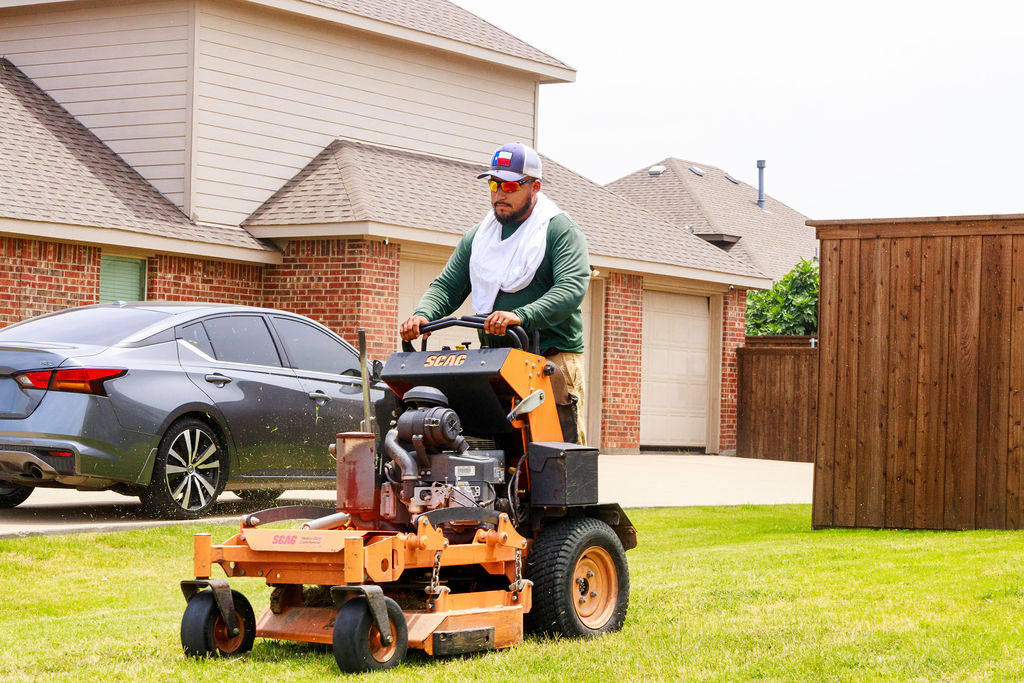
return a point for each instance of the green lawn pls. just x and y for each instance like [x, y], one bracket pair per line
[717, 594]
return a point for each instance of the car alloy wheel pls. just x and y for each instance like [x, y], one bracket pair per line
[190, 471]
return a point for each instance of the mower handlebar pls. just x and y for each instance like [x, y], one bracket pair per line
[517, 333]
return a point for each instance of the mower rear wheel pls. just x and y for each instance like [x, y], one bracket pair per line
[204, 633]
[357, 640]
[580, 579]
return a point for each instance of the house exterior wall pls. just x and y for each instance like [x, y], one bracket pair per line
[217, 104]
[344, 284]
[273, 89]
[183, 278]
[119, 68]
[734, 316]
[620, 379]
[39, 277]
[347, 285]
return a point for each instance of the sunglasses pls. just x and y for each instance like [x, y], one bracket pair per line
[508, 186]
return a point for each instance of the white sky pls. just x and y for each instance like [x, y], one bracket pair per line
[861, 109]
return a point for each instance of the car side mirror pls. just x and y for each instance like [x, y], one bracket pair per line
[376, 368]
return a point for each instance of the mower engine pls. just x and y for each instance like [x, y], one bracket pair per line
[447, 473]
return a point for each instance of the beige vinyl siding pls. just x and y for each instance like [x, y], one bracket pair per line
[121, 69]
[273, 90]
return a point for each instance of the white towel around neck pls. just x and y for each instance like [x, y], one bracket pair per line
[508, 265]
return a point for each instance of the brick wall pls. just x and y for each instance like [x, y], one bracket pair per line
[734, 312]
[39, 277]
[183, 278]
[620, 384]
[343, 283]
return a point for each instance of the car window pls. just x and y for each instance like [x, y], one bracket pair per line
[195, 334]
[100, 326]
[310, 348]
[242, 339]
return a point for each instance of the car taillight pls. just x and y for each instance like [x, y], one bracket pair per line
[40, 379]
[77, 380]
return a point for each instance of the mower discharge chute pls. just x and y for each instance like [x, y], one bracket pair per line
[479, 515]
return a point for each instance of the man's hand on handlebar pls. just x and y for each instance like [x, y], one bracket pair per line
[498, 321]
[410, 329]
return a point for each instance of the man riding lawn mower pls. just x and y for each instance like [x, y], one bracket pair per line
[478, 514]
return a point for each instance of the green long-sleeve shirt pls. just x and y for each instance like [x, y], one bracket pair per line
[550, 304]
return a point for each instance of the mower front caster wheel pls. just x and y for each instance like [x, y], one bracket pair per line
[204, 633]
[357, 640]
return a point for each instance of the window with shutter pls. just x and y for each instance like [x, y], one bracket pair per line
[122, 279]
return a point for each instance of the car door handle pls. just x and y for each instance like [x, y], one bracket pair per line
[218, 379]
[319, 396]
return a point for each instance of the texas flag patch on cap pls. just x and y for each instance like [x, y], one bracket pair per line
[513, 161]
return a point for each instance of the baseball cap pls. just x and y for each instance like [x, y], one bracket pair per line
[514, 161]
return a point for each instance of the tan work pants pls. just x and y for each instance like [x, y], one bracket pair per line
[571, 365]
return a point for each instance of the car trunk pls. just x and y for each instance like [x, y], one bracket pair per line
[16, 401]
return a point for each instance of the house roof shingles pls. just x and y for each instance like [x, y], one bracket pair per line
[444, 19]
[352, 181]
[770, 239]
[56, 170]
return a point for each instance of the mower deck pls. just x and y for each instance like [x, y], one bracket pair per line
[450, 622]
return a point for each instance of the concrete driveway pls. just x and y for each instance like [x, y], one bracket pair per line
[648, 480]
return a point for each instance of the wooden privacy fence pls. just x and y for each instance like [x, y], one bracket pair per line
[776, 405]
[921, 374]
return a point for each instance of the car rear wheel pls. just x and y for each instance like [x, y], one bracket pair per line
[12, 495]
[190, 472]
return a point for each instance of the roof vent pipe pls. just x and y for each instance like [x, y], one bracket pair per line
[760, 183]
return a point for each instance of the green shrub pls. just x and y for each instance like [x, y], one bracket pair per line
[789, 307]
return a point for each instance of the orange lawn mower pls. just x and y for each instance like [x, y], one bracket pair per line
[479, 517]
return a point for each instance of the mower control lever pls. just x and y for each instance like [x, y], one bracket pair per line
[516, 332]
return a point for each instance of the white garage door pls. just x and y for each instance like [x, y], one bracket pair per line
[414, 276]
[674, 379]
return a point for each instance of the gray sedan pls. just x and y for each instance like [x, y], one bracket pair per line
[175, 402]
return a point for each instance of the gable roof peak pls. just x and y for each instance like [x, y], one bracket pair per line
[715, 203]
[56, 171]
